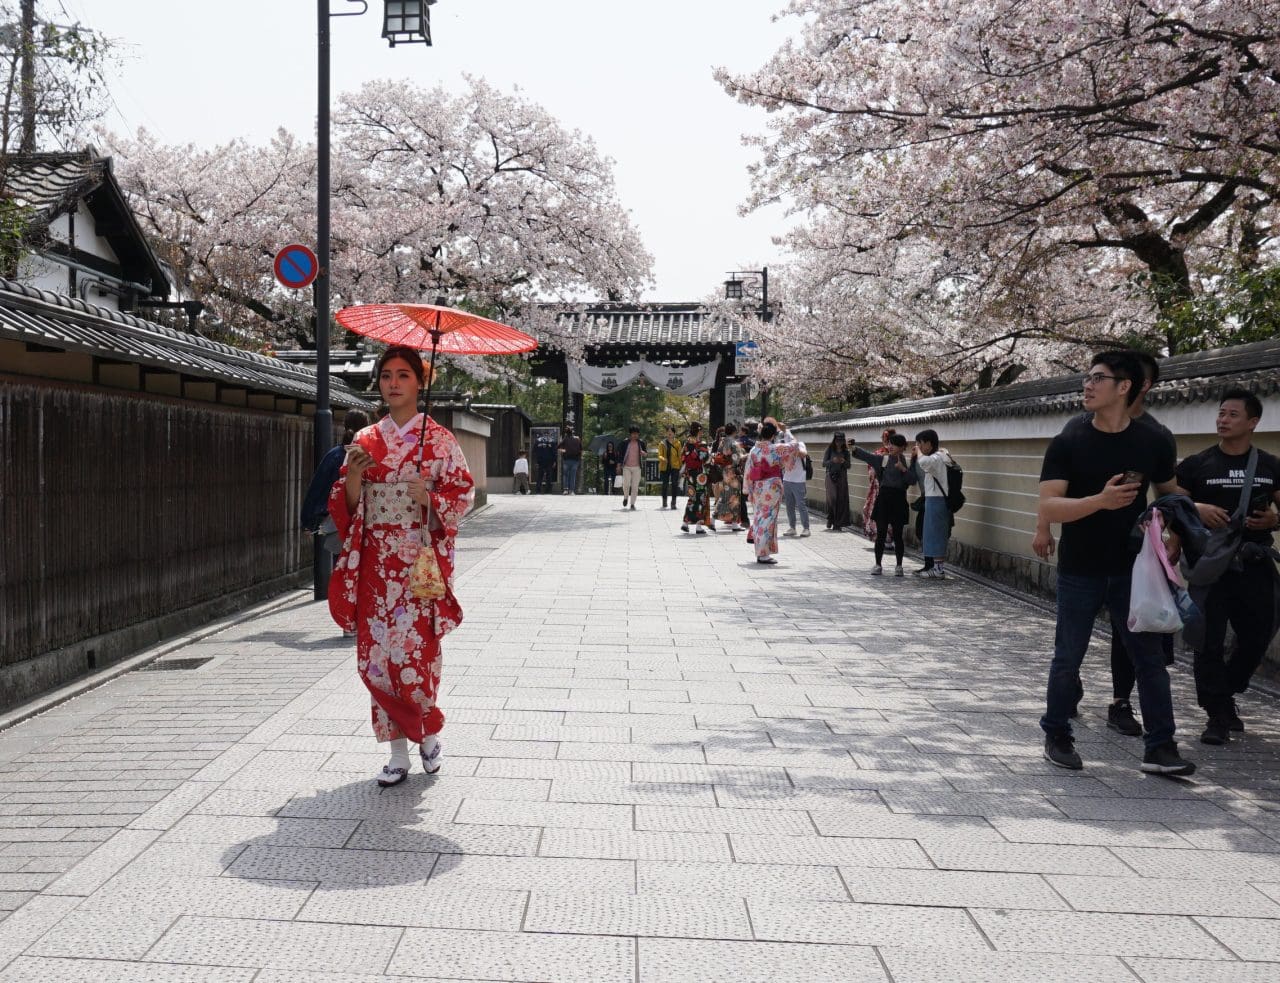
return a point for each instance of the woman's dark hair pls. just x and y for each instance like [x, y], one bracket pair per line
[695, 428]
[408, 355]
[608, 445]
[730, 429]
[929, 437]
[768, 431]
[352, 422]
[898, 440]
[836, 440]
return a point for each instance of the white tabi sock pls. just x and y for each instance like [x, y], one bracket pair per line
[399, 753]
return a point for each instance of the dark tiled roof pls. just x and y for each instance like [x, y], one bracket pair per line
[50, 184]
[1187, 378]
[39, 317]
[652, 324]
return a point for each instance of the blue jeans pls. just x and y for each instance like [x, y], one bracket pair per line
[1080, 598]
[570, 474]
[793, 494]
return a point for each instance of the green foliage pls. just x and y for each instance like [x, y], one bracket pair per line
[1242, 307]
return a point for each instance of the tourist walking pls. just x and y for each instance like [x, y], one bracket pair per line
[315, 504]
[520, 474]
[397, 507]
[570, 448]
[609, 464]
[894, 475]
[697, 511]
[764, 468]
[632, 458]
[1094, 482]
[869, 525]
[931, 462]
[544, 459]
[670, 459]
[835, 462]
[729, 455]
[795, 484]
[1244, 596]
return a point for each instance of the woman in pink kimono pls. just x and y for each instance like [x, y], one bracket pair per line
[390, 482]
[764, 468]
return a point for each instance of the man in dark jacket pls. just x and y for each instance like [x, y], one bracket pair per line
[544, 459]
[571, 451]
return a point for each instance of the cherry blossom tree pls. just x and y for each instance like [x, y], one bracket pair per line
[1033, 174]
[482, 197]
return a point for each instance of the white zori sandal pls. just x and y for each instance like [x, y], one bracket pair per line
[430, 750]
[391, 776]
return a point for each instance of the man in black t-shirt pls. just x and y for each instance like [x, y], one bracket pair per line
[1120, 716]
[1094, 482]
[570, 448]
[1244, 597]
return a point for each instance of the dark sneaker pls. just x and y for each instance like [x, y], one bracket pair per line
[1232, 717]
[1216, 732]
[1060, 750]
[1165, 760]
[1120, 718]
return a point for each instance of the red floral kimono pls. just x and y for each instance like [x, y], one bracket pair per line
[398, 635]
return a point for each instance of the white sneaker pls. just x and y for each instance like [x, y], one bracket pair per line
[897, 571]
[430, 751]
[804, 533]
[877, 571]
[700, 529]
[789, 532]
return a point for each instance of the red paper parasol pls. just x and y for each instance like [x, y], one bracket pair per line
[436, 327]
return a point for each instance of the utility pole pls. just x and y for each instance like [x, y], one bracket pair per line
[27, 144]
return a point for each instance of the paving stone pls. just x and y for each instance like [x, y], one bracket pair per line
[20, 929]
[332, 866]
[566, 815]
[862, 924]
[940, 966]
[777, 797]
[1164, 896]
[431, 837]
[1198, 971]
[515, 956]
[1030, 858]
[688, 961]
[275, 944]
[1086, 833]
[1183, 811]
[262, 830]
[828, 850]
[1088, 933]
[431, 906]
[633, 845]
[633, 793]
[951, 889]
[700, 820]
[865, 823]
[991, 805]
[1249, 938]
[28, 968]
[89, 874]
[1194, 865]
[739, 880]
[649, 914]
[557, 875]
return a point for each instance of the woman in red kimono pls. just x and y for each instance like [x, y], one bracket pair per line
[387, 485]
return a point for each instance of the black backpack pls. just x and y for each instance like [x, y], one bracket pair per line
[955, 486]
[808, 468]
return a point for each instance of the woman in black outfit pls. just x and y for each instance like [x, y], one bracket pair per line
[836, 463]
[610, 461]
[895, 474]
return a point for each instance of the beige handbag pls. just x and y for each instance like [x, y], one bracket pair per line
[426, 581]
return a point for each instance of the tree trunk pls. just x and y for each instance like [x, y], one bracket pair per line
[27, 144]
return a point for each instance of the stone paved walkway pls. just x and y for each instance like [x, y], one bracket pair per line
[663, 763]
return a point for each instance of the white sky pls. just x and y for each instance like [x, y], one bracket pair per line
[634, 76]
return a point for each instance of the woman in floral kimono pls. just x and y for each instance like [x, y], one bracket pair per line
[388, 482]
[729, 454]
[695, 458]
[765, 465]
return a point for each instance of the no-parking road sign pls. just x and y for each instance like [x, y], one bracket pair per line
[296, 266]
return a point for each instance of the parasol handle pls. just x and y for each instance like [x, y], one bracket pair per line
[431, 378]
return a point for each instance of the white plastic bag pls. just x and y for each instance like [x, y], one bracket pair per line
[617, 481]
[1151, 604]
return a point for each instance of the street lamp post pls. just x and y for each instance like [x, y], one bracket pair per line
[403, 22]
[741, 285]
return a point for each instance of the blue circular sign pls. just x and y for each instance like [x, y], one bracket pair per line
[296, 266]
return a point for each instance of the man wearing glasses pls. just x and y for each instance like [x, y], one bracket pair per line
[1094, 482]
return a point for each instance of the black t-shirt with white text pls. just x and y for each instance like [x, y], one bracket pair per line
[1215, 478]
[1086, 458]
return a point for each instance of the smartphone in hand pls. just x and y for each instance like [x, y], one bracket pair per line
[1132, 478]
